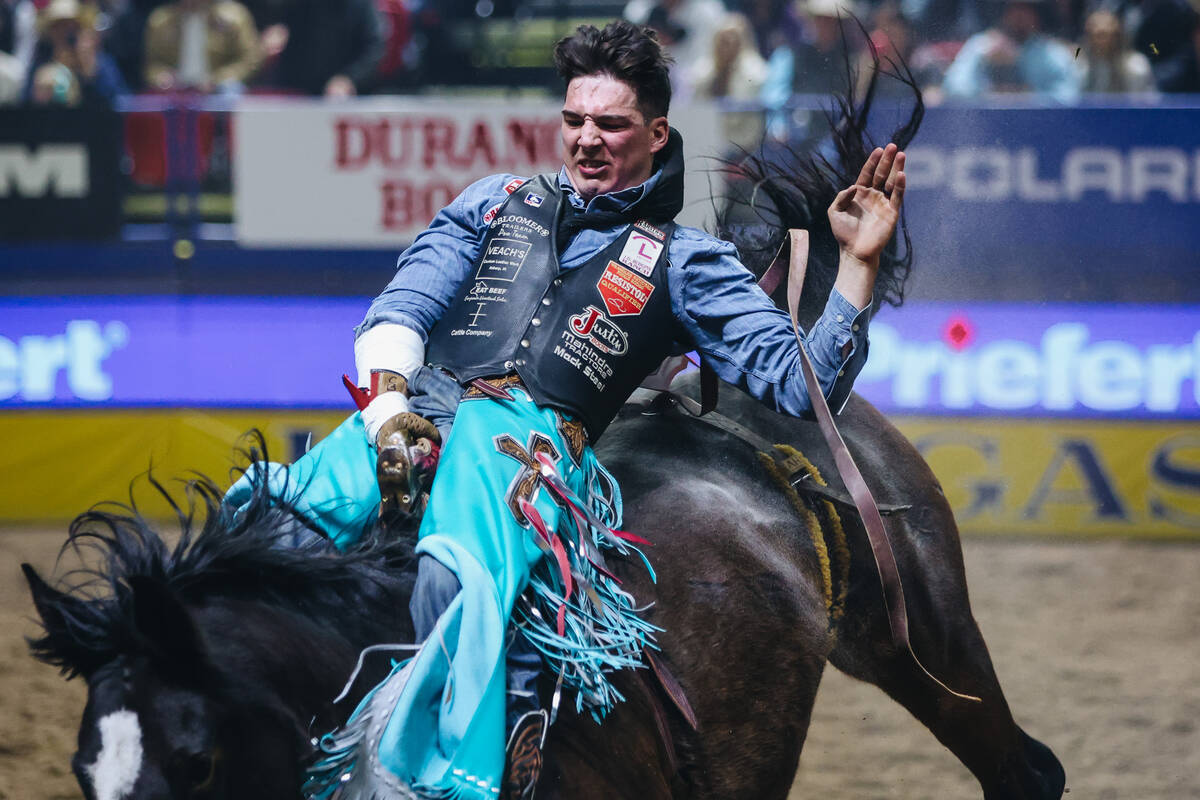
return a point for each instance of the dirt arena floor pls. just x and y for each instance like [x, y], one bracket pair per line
[1097, 645]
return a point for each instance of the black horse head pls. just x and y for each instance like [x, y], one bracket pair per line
[206, 661]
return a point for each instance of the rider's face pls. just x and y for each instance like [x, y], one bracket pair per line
[607, 144]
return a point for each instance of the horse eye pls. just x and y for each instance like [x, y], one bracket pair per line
[197, 769]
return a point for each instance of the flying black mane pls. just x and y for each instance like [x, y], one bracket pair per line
[773, 192]
[222, 552]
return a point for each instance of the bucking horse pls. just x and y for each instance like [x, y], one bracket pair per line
[213, 663]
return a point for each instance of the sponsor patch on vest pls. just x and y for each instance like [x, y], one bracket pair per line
[513, 185]
[490, 214]
[534, 200]
[625, 293]
[602, 331]
[650, 229]
[503, 259]
[641, 253]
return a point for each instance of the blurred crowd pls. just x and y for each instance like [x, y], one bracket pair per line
[753, 52]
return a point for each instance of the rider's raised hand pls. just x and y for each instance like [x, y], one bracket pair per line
[863, 216]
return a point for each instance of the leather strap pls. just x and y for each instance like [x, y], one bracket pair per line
[709, 387]
[671, 686]
[868, 511]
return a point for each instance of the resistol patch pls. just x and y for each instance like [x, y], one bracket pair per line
[625, 293]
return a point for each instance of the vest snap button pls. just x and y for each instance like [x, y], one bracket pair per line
[508, 364]
[520, 362]
[535, 322]
[524, 343]
[545, 301]
[558, 281]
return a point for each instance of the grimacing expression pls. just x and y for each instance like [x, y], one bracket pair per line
[608, 144]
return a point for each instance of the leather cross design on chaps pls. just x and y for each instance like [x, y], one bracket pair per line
[527, 482]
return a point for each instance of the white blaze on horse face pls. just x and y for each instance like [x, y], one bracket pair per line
[120, 760]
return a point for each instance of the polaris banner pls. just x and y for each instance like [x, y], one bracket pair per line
[1116, 362]
[1063, 199]
[59, 173]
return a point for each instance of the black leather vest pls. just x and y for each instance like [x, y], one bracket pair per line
[581, 340]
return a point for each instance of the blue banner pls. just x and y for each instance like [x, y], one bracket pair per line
[177, 351]
[1087, 361]
[1069, 203]
[1020, 360]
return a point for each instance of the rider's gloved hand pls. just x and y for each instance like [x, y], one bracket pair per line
[407, 444]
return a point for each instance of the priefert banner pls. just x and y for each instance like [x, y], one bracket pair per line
[373, 172]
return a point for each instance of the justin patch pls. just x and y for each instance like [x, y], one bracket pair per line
[641, 253]
[625, 293]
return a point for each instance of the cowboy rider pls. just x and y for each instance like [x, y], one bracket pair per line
[525, 314]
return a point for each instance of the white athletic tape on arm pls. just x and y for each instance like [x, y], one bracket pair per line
[389, 346]
[380, 410]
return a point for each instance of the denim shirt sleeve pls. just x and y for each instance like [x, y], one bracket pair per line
[749, 341]
[438, 261]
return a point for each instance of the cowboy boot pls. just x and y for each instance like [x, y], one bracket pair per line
[523, 756]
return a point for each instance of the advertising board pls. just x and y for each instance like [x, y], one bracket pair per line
[59, 173]
[979, 359]
[1047, 420]
[374, 172]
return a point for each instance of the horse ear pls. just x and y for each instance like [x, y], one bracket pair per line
[63, 616]
[167, 628]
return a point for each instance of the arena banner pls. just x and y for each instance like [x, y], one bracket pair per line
[989, 359]
[59, 173]
[999, 194]
[373, 172]
[1065, 477]
[177, 351]
[1077, 361]
[1002, 476]
[57, 464]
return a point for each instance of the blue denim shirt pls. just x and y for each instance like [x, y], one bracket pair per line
[748, 341]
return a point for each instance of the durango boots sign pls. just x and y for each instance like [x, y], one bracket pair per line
[374, 172]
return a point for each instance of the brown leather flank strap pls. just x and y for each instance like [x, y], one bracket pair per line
[881, 548]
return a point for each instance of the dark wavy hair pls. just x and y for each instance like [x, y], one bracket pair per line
[624, 51]
[792, 188]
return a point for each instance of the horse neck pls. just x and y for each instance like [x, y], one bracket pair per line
[302, 659]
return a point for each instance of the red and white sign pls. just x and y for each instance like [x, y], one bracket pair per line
[374, 171]
[625, 293]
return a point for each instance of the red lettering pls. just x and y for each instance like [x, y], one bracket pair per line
[405, 205]
[583, 325]
[353, 144]
[395, 142]
[439, 140]
[480, 144]
[532, 141]
[397, 205]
